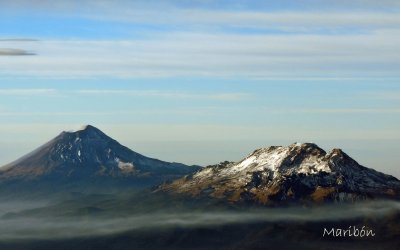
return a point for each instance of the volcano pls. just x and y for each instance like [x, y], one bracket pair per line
[301, 172]
[89, 156]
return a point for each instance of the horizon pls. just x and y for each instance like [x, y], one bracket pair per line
[201, 82]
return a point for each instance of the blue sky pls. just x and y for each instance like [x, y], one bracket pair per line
[200, 82]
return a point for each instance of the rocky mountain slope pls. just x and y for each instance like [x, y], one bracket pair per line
[298, 172]
[89, 154]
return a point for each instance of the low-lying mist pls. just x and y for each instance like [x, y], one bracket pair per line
[42, 225]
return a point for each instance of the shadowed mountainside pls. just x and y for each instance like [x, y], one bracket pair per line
[88, 157]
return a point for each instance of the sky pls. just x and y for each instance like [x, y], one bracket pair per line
[204, 81]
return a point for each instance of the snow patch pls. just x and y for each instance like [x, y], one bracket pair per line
[204, 173]
[108, 153]
[309, 168]
[124, 166]
[265, 160]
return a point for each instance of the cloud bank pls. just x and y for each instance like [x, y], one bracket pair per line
[153, 39]
[70, 227]
[15, 52]
[210, 55]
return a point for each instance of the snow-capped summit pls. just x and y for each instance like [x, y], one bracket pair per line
[300, 158]
[300, 171]
[89, 153]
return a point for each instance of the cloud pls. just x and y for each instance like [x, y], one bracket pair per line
[198, 17]
[315, 13]
[232, 4]
[288, 21]
[166, 94]
[27, 92]
[126, 92]
[382, 95]
[15, 52]
[64, 227]
[216, 55]
[344, 111]
[18, 40]
[191, 40]
[92, 114]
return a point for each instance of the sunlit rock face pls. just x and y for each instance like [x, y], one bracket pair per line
[298, 172]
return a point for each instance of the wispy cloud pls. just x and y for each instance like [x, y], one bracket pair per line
[91, 114]
[166, 94]
[193, 40]
[222, 96]
[287, 15]
[382, 95]
[217, 55]
[18, 40]
[15, 52]
[66, 227]
[288, 21]
[347, 111]
[28, 92]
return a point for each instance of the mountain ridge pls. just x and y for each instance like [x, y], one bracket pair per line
[89, 153]
[299, 172]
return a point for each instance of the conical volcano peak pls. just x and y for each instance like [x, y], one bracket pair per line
[87, 131]
[89, 152]
[84, 128]
[87, 127]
